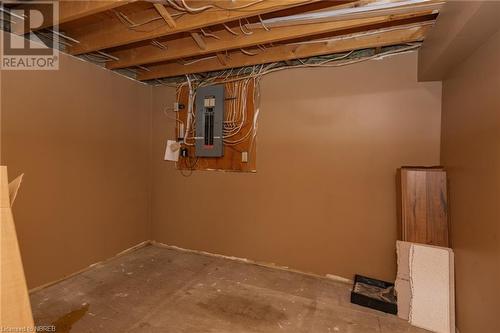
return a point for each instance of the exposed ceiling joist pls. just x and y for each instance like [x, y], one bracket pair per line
[371, 9]
[185, 48]
[71, 10]
[369, 39]
[112, 33]
[165, 38]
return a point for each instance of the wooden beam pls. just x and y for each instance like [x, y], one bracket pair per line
[376, 38]
[111, 33]
[71, 10]
[184, 47]
[165, 14]
[199, 40]
[362, 11]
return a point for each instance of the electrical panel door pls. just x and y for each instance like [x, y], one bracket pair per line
[209, 121]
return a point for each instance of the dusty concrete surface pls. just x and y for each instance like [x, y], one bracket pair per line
[156, 289]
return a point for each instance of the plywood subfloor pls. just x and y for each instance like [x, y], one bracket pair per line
[155, 289]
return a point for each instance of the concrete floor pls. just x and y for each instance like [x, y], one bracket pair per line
[155, 289]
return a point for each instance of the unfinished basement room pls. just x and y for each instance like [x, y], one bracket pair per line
[250, 166]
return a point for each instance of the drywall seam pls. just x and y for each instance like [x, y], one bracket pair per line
[331, 277]
[131, 249]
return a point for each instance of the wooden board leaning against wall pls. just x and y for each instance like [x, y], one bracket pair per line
[15, 308]
[241, 110]
[423, 205]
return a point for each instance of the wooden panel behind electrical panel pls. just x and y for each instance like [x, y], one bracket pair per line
[422, 206]
[232, 159]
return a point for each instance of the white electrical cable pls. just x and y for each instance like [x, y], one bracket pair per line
[175, 6]
[364, 33]
[156, 43]
[64, 36]
[331, 14]
[108, 55]
[125, 20]
[196, 10]
[263, 24]
[198, 60]
[190, 109]
[184, 6]
[238, 87]
[243, 30]
[230, 30]
[208, 34]
[248, 52]
[143, 68]
[8, 12]
[268, 68]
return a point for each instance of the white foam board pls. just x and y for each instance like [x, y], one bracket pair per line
[432, 304]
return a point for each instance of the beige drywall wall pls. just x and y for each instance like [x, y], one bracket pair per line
[323, 199]
[462, 27]
[471, 154]
[81, 136]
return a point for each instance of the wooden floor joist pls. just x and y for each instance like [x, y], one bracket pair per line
[184, 47]
[391, 9]
[382, 37]
[72, 10]
[111, 33]
[170, 38]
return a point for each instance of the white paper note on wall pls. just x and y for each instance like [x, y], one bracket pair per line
[172, 151]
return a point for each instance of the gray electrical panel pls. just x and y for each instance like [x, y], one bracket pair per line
[209, 120]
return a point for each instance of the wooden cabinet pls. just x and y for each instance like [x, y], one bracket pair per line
[423, 206]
